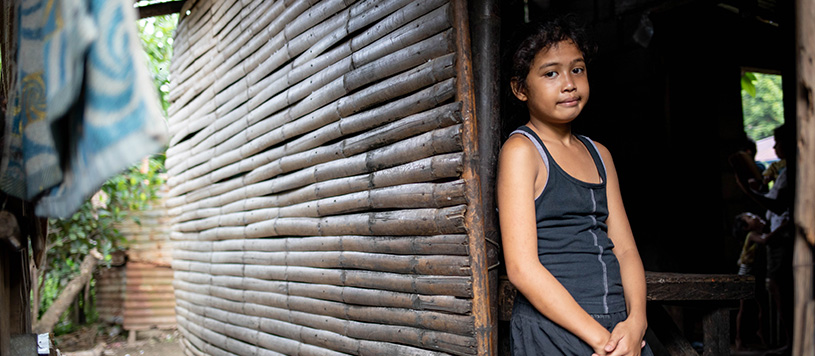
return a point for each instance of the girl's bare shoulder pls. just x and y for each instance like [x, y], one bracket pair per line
[603, 151]
[518, 148]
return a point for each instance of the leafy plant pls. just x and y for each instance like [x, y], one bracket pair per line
[93, 226]
[762, 104]
[156, 35]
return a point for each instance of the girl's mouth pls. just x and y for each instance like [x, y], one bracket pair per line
[570, 102]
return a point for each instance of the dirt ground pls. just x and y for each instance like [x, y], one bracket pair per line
[112, 341]
[142, 348]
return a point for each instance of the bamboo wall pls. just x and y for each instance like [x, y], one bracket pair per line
[321, 183]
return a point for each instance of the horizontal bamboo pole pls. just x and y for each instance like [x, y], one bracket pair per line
[398, 223]
[430, 320]
[295, 339]
[215, 343]
[348, 295]
[188, 348]
[201, 64]
[417, 195]
[360, 17]
[195, 37]
[432, 285]
[406, 264]
[224, 21]
[259, 33]
[188, 29]
[221, 8]
[409, 108]
[432, 143]
[308, 74]
[427, 169]
[228, 312]
[241, 28]
[423, 75]
[398, 245]
[303, 29]
[322, 93]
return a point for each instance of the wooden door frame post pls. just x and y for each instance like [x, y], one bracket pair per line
[804, 320]
[484, 318]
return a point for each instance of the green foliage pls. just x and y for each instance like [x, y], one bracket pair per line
[762, 104]
[157, 39]
[748, 83]
[94, 224]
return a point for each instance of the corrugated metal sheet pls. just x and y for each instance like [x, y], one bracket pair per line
[140, 294]
[109, 294]
[148, 235]
[149, 300]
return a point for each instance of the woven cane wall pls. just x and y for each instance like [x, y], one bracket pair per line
[316, 180]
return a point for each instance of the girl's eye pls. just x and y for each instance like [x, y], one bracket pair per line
[550, 74]
[578, 70]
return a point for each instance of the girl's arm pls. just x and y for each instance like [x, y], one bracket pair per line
[626, 338]
[519, 166]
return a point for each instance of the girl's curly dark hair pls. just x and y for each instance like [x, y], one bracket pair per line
[542, 35]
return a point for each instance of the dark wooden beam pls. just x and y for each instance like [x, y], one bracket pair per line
[666, 287]
[164, 8]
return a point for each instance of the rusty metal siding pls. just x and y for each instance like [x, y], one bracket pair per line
[139, 294]
[149, 300]
[110, 294]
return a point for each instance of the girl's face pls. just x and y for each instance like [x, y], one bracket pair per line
[754, 223]
[557, 87]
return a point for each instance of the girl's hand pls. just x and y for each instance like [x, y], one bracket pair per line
[599, 344]
[626, 340]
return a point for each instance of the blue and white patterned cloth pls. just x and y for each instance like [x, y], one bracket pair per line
[82, 106]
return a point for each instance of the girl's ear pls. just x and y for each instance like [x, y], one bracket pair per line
[518, 89]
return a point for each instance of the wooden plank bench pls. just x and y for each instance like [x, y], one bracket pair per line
[714, 294]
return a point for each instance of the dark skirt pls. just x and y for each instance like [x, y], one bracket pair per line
[531, 333]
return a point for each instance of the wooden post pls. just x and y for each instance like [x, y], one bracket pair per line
[465, 93]
[486, 33]
[715, 324]
[804, 320]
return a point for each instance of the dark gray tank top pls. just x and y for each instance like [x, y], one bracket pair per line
[573, 241]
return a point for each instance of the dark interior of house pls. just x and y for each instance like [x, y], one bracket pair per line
[665, 100]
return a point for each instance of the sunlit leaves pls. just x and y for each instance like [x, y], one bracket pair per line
[748, 83]
[763, 109]
[157, 39]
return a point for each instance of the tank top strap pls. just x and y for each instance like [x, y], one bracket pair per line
[532, 136]
[595, 155]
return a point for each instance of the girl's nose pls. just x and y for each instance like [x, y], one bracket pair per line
[568, 85]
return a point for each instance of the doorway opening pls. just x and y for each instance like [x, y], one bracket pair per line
[762, 101]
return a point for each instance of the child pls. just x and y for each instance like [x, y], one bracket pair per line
[751, 228]
[567, 243]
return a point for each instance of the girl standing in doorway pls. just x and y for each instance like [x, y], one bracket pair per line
[568, 246]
